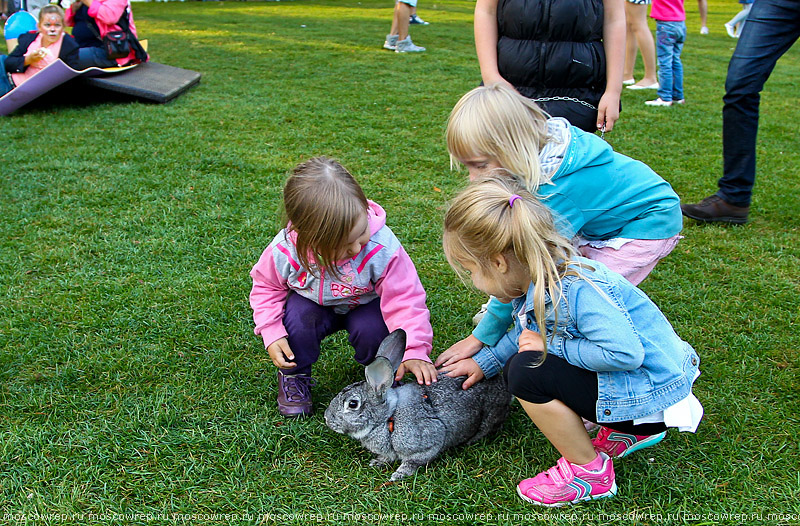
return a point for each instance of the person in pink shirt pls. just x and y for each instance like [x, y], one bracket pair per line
[670, 20]
[38, 49]
[336, 266]
[91, 20]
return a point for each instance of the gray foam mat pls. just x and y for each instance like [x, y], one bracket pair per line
[151, 81]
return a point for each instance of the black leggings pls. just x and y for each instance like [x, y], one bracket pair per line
[557, 379]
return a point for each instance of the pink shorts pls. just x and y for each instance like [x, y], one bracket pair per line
[635, 259]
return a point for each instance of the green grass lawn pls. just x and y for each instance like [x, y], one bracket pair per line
[133, 388]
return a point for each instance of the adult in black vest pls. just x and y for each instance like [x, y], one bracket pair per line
[567, 55]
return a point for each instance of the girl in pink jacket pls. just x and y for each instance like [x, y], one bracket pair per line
[335, 266]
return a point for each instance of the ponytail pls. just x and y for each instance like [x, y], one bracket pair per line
[497, 215]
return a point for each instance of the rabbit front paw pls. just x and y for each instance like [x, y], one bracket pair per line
[378, 462]
[405, 469]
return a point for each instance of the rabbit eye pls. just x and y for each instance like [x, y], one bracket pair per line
[352, 404]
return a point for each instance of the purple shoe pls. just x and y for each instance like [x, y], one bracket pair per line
[294, 394]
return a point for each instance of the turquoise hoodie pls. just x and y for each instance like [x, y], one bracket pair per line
[595, 193]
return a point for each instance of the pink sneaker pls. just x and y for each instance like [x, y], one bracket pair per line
[618, 445]
[566, 483]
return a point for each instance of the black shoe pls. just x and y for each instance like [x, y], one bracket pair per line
[715, 209]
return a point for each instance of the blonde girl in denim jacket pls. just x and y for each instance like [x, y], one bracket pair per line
[585, 343]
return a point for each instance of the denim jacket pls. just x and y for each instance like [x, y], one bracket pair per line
[609, 326]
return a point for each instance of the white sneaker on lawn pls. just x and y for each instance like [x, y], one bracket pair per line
[658, 102]
[407, 46]
[391, 42]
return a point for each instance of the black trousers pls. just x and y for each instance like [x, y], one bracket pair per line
[557, 379]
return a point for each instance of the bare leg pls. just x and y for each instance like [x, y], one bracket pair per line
[702, 6]
[630, 46]
[402, 12]
[394, 21]
[644, 41]
[563, 428]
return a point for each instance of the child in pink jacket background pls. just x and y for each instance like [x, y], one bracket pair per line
[670, 18]
[336, 266]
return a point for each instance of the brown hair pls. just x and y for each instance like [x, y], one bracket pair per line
[51, 9]
[323, 203]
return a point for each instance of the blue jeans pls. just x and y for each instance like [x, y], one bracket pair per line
[94, 57]
[670, 37]
[307, 323]
[5, 85]
[772, 27]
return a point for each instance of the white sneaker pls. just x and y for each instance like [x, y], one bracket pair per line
[628, 82]
[730, 29]
[391, 42]
[639, 86]
[659, 102]
[704, 30]
[407, 46]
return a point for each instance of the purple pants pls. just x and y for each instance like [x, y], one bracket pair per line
[307, 323]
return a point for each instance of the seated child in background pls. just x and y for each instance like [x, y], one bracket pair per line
[35, 51]
[335, 266]
[618, 210]
[585, 343]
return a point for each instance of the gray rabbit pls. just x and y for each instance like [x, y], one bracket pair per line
[414, 423]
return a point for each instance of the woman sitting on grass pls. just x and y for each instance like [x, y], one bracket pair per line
[37, 50]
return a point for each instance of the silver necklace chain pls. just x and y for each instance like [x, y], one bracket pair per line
[568, 99]
[579, 101]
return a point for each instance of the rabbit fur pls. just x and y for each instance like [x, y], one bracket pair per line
[414, 423]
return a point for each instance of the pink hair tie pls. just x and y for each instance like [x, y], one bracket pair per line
[512, 199]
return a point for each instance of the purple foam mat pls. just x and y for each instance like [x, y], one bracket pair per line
[150, 81]
[50, 77]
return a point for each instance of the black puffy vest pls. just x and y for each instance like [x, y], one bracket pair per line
[554, 48]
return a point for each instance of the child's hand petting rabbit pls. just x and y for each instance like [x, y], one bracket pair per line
[424, 371]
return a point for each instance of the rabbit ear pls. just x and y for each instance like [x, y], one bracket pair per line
[380, 373]
[379, 376]
[393, 347]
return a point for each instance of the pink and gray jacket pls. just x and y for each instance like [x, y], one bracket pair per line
[382, 270]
